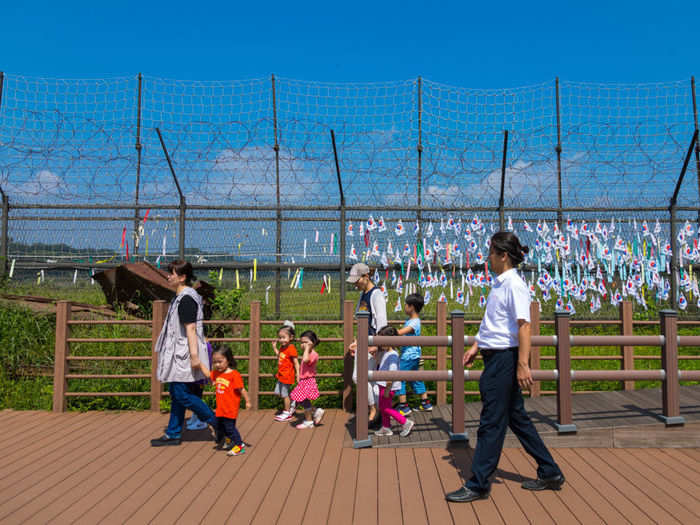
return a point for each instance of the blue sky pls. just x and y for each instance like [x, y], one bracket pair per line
[474, 44]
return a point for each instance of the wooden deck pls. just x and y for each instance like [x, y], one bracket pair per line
[99, 468]
[603, 419]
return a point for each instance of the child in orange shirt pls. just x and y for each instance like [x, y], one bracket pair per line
[287, 365]
[229, 388]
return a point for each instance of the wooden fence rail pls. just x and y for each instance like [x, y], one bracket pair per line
[63, 356]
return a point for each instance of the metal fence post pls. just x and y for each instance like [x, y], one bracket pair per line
[5, 254]
[138, 146]
[278, 209]
[669, 361]
[697, 145]
[558, 150]
[458, 432]
[254, 355]
[362, 439]
[535, 362]
[565, 422]
[501, 199]
[627, 328]
[419, 146]
[348, 310]
[341, 255]
[160, 310]
[61, 349]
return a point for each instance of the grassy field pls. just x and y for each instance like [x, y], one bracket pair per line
[25, 368]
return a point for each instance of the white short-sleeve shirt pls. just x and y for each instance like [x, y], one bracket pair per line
[508, 301]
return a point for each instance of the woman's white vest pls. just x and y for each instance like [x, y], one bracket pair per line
[174, 365]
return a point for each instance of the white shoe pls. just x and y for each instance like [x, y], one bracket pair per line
[407, 427]
[318, 416]
[283, 416]
[305, 424]
[384, 431]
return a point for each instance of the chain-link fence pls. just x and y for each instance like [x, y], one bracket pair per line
[245, 182]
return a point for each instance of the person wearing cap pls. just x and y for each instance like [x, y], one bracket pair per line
[372, 301]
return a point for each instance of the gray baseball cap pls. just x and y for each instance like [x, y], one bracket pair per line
[357, 271]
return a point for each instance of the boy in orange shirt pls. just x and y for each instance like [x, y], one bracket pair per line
[229, 388]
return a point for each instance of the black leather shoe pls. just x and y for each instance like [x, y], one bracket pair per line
[165, 440]
[465, 495]
[554, 483]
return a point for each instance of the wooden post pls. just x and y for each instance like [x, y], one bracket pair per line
[160, 310]
[254, 355]
[458, 433]
[362, 439]
[669, 362]
[564, 395]
[348, 360]
[441, 321]
[61, 349]
[627, 328]
[535, 363]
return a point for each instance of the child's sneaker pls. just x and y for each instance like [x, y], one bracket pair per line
[404, 409]
[305, 424]
[224, 444]
[425, 406]
[284, 416]
[407, 427]
[237, 450]
[318, 416]
[384, 431]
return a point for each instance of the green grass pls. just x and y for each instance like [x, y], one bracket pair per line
[28, 342]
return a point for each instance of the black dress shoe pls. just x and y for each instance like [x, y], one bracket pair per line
[165, 441]
[553, 483]
[465, 495]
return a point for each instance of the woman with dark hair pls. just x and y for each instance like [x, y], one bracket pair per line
[504, 342]
[182, 351]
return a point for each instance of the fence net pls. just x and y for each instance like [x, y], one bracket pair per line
[255, 156]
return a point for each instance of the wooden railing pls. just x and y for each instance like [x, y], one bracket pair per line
[254, 357]
[670, 375]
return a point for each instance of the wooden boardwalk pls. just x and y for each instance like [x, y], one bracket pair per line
[603, 419]
[99, 468]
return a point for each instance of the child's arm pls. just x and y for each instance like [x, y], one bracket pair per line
[305, 355]
[296, 366]
[274, 348]
[244, 393]
[405, 330]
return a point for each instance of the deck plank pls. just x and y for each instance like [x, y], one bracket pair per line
[462, 513]
[641, 477]
[583, 487]
[223, 483]
[317, 510]
[436, 507]
[257, 471]
[525, 499]
[389, 512]
[412, 503]
[294, 507]
[169, 503]
[366, 499]
[343, 501]
[649, 506]
[55, 464]
[81, 480]
[650, 462]
[550, 500]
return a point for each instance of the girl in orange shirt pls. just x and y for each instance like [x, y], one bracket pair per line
[229, 389]
[287, 366]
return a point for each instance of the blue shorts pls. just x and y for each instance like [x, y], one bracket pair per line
[409, 363]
